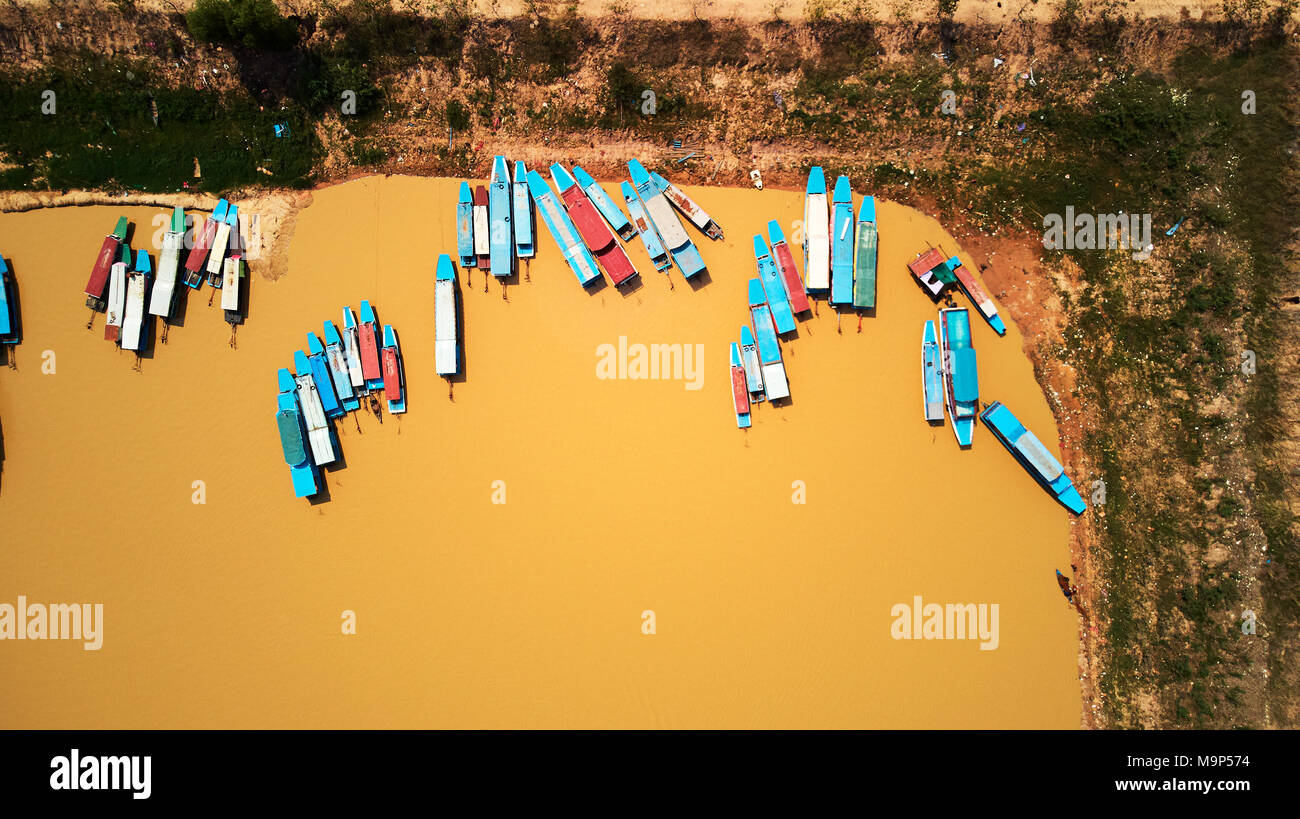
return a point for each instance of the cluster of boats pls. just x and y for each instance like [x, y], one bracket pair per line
[9, 327]
[496, 225]
[129, 292]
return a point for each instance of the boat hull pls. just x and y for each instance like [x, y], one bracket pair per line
[1035, 458]
[864, 276]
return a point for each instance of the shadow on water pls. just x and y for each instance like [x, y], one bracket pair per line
[15, 297]
[700, 280]
[631, 286]
[2, 455]
[462, 368]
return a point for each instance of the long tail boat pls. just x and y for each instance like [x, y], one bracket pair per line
[368, 335]
[352, 351]
[169, 260]
[293, 438]
[465, 227]
[930, 270]
[688, 207]
[654, 245]
[117, 294]
[232, 277]
[961, 388]
[786, 268]
[198, 256]
[525, 227]
[971, 287]
[561, 228]
[683, 251]
[102, 269]
[1032, 455]
[776, 298]
[319, 434]
[864, 270]
[753, 366]
[394, 383]
[338, 364]
[501, 239]
[739, 389]
[133, 315]
[446, 355]
[8, 307]
[842, 243]
[482, 228]
[220, 244]
[591, 226]
[931, 374]
[313, 361]
[611, 212]
[775, 384]
[816, 234]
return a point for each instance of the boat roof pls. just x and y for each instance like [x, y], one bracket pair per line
[756, 296]
[500, 170]
[367, 313]
[965, 375]
[480, 195]
[563, 179]
[232, 214]
[843, 191]
[285, 379]
[121, 228]
[178, 219]
[446, 270]
[774, 232]
[124, 253]
[867, 210]
[390, 338]
[735, 354]
[300, 363]
[760, 247]
[466, 195]
[816, 180]
[659, 181]
[746, 336]
[332, 334]
[314, 345]
[219, 212]
[1024, 441]
[521, 172]
[584, 178]
[349, 320]
[926, 262]
[295, 450]
[142, 263]
[638, 172]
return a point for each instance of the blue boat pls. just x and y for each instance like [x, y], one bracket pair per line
[693, 212]
[315, 363]
[557, 221]
[394, 378]
[293, 438]
[619, 223]
[446, 352]
[501, 239]
[931, 374]
[816, 234]
[337, 358]
[960, 375]
[465, 227]
[8, 308]
[654, 246]
[660, 214]
[975, 292]
[750, 362]
[525, 233]
[842, 239]
[1033, 456]
[777, 300]
[775, 384]
[739, 390]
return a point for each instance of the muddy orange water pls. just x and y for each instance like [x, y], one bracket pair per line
[621, 497]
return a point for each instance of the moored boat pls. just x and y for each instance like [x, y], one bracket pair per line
[960, 374]
[465, 227]
[482, 228]
[842, 243]
[352, 351]
[314, 362]
[739, 389]
[654, 246]
[232, 276]
[8, 307]
[1037, 460]
[785, 267]
[501, 238]
[611, 212]
[561, 228]
[394, 383]
[864, 267]
[319, 435]
[782, 315]
[975, 292]
[680, 247]
[446, 355]
[930, 270]
[752, 365]
[591, 226]
[102, 268]
[198, 255]
[688, 207]
[133, 313]
[169, 259]
[337, 359]
[220, 244]
[775, 383]
[525, 228]
[293, 438]
[368, 336]
[816, 234]
[117, 294]
[931, 374]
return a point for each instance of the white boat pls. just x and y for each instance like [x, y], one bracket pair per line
[137, 282]
[220, 242]
[352, 351]
[117, 295]
[230, 283]
[445, 354]
[169, 260]
[313, 414]
[816, 234]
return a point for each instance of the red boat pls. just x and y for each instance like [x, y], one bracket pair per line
[739, 390]
[392, 375]
[591, 225]
[104, 261]
[482, 236]
[785, 267]
[198, 258]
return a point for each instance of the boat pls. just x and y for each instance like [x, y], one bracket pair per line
[394, 386]
[525, 228]
[1032, 455]
[654, 246]
[293, 438]
[752, 365]
[785, 266]
[688, 207]
[368, 336]
[169, 259]
[591, 226]
[198, 256]
[782, 315]
[816, 234]
[842, 243]
[337, 359]
[775, 384]
[231, 277]
[611, 212]
[465, 227]
[864, 268]
[660, 214]
[220, 243]
[319, 435]
[8, 307]
[557, 221]
[931, 272]
[931, 374]
[501, 239]
[971, 287]
[102, 269]
[316, 363]
[117, 294]
[961, 389]
[482, 223]
[352, 351]
[133, 315]
[739, 389]
[446, 355]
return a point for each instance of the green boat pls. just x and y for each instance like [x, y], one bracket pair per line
[864, 277]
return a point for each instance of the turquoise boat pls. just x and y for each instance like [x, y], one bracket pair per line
[961, 376]
[501, 240]
[561, 228]
[315, 363]
[864, 269]
[1032, 455]
[8, 307]
[525, 229]
[293, 438]
[619, 223]
[654, 246]
[842, 243]
[782, 315]
[931, 374]
[688, 207]
[683, 251]
[752, 364]
[465, 227]
[337, 358]
[775, 383]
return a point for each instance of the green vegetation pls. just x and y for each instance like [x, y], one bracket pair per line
[248, 23]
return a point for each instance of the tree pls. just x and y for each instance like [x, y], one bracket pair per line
[248, 23]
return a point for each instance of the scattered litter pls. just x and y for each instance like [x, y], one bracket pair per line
[1021, 126]
[281, 130]
[757, 178]
[1174, 229]
[997, 61]
[780, 100]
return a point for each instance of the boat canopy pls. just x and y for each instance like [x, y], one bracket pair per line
[295, 449]
[965, 376]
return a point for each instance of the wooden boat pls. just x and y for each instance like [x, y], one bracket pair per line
[931, 374]
[561, 228]
[117, 294]
[688, 207]
[8, 307]
[482, 226]
[1037, 460]
[169, 260]
[446, 353]
[102, 269]
[232, 277]
[971, 287]
[316, 363]
[133, 315]
[611, 212]
[739, 389]
[591, 226]
[654, 246]
[775, 384]
[680, 247]
[864, 270]
[220, 244]
[501, 239]
[816, 234]
[394, 383]
[319, 435]
[525, 229]
[931, 272]
[352, 351]
[465, 227]
[198, 256]
[782, 315]
[337, 359]
[293, 438]
[753, 367]
[842, 243]
[368, 335]
[785, 266]
[961, 389]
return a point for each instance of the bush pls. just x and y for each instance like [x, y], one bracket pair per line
[248, 23]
